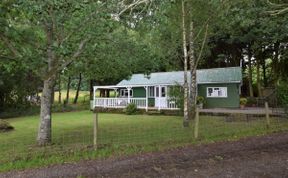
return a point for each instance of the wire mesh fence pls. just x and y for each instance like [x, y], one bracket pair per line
[122, 134]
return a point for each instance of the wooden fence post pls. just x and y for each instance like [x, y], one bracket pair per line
[267, 115]
[95, 130]
[196, 129]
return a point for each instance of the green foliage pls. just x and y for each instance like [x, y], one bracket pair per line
[176, 92]
[251, 101]
[131, 109]
[282, 95]
[200, 99]
[243, 101]
[5, 126]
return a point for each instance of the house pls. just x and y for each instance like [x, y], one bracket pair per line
[219, 86]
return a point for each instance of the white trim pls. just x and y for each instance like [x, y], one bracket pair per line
[149, 89]
[164, 84]
[146, 90]
[128, 93]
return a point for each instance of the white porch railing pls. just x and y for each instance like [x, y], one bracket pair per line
[119, 102]
[172, 103]
[160, 103]
[166, 103]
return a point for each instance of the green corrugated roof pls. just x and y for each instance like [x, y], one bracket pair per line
[215, 75]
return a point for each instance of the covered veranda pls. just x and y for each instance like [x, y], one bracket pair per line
[151, 97]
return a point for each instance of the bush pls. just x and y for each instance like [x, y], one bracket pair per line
[177, 93]
[131, 109]
[251, 101]
[200, 99]
[243, 101]
[5, 126]
[19, 111]
[282, 96]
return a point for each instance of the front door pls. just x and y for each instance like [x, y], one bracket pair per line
[161, 97]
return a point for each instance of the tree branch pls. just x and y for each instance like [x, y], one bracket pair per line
[130, 6]
[68, 62]
[202, 46]
[81, 25]
[10, 46]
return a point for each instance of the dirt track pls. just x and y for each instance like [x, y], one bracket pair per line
[265, 157]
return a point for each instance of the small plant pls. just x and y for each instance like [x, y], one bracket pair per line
[282, 96]
[251, 101]
[243, 102]
[131, 109]
[5, 126]
[200, 100]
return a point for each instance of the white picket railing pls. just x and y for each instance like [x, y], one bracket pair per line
[140, 102]
[172, 103]
[166, 103]
[160, 103]
[119, 102]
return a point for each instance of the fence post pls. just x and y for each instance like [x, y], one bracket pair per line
[95, 130]
[196, 129]
[267, 115]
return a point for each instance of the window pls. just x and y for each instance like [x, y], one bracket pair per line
[124, 93]
[151, 92]
[161, 93]
[220, 92]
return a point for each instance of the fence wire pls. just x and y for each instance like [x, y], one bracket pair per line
[143, 133]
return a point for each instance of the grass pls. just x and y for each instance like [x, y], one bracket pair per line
[118, 135]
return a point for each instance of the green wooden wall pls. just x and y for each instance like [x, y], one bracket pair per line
[140, 92]
[232, 100]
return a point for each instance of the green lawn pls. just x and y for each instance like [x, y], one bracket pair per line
[118, 135]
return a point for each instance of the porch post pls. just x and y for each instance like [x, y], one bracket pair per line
[159, 99]
[116, 93]
[146, 107]
[128, 88]
[94, 97]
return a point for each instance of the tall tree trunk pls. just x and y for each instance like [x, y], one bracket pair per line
[68, 90]
[258, 78]
[53, 94]
[78, 88]
[263, 64]
[193, 82]
[185, 86]
[2, 96]
[251, 93]
[59, 90]
[275, 64]
[44, 132]
[91, 89]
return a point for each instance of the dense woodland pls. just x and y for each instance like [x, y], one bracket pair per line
[49, 46]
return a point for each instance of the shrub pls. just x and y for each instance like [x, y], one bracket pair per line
[282, 96]
[251, 101]
[131, 109]
[5, 126]
[243, 101]
[200, 99]
[177, 93]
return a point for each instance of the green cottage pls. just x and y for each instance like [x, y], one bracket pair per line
[220, 87]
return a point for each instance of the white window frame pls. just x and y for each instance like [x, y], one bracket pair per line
[215, 92]
[151, 92]
[123, 92]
